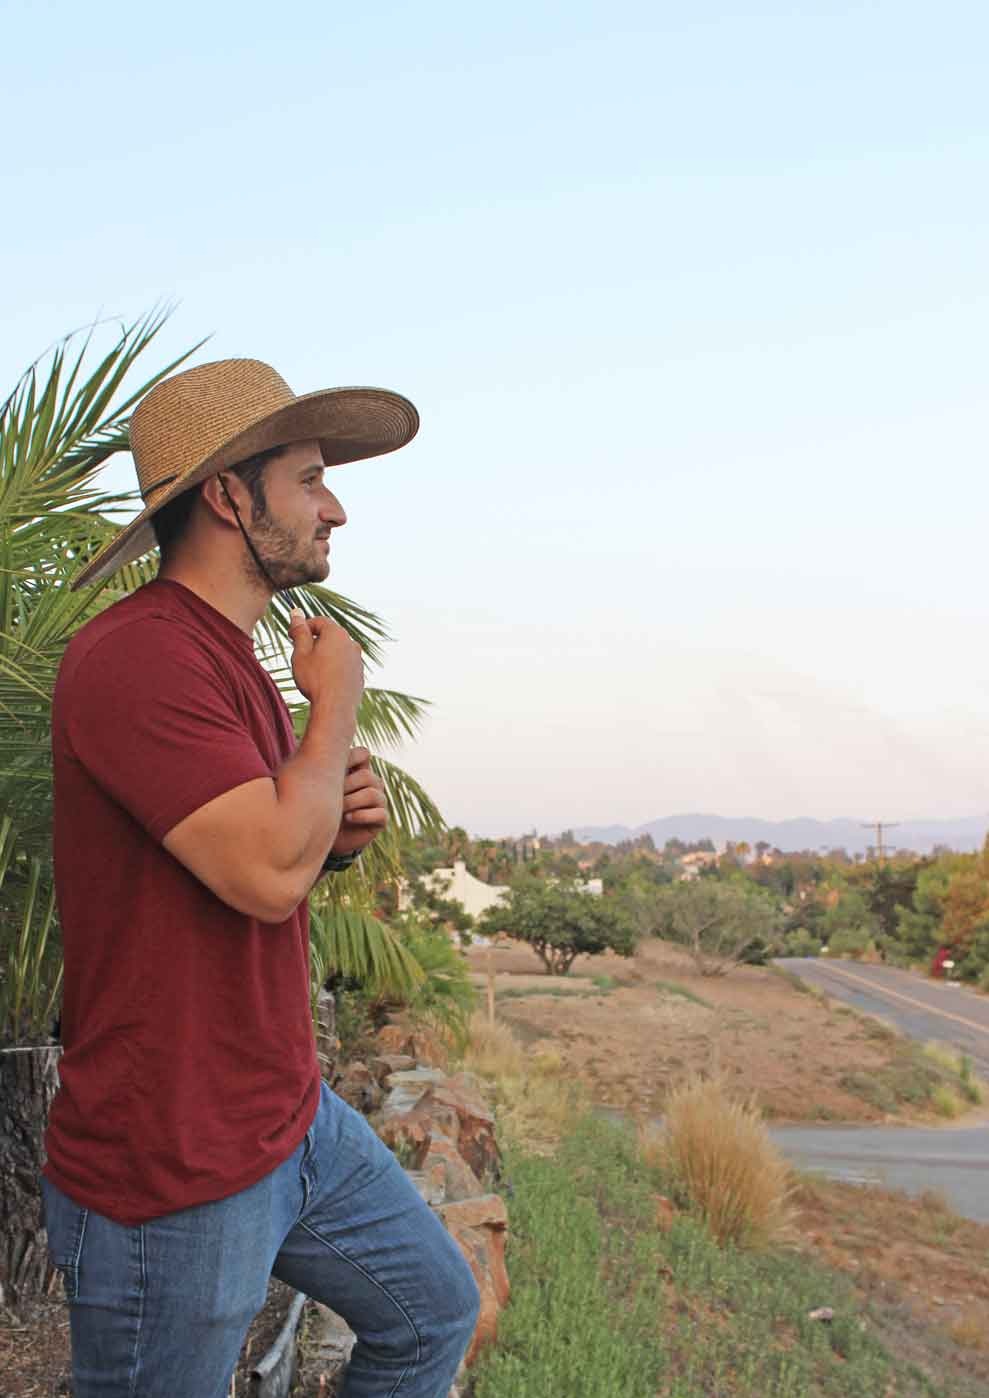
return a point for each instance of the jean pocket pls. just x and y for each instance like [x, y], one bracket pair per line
[65, 1224]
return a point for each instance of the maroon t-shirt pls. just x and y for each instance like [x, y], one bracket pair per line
[189, 1068]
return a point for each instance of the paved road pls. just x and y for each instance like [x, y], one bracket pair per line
[919, 1008]
[954, 1161]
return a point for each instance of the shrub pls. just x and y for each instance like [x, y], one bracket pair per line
[850, 941]
[945, 1103]
[800, 942]
[446, 997]
[724, 1165]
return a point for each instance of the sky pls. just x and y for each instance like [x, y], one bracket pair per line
[692, 300]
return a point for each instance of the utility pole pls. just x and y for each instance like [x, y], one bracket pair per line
[879, 826]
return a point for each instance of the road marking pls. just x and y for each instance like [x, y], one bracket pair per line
[907, 1000]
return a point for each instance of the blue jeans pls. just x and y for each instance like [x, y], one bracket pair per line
[161, 1309]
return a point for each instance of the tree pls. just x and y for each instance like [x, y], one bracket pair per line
[721, 923]
[560, 923]
[849, 917]
[65, 417]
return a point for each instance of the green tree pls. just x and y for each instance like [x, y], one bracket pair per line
[849, 915]
[720, 923]
[559, 922]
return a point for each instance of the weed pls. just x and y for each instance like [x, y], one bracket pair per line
[671, 988]
[535, 1100]
[605, 983]
[969, 1330]
[946, 1103]
[876, 1029]
[972, 1089]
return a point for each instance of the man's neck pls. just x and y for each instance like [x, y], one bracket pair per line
[227, 591]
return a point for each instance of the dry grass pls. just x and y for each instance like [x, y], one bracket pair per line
[724, 1164]
[535, 1101]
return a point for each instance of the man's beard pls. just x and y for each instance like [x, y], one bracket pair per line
[283, 554]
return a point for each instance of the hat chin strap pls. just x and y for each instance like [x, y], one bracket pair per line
[247, 538]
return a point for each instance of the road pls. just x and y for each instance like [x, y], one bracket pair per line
[953, 1161]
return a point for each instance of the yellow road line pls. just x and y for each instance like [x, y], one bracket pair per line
[907, 1000]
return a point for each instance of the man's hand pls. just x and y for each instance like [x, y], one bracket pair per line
[326, 663]
[365, 812]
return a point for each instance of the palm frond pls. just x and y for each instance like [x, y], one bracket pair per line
[351, 942]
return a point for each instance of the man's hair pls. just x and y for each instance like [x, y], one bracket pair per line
[171, 521]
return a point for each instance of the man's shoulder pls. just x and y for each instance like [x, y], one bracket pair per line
[144, 628]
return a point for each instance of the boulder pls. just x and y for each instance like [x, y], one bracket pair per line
[478, 1226]
[356, 1086]
[475, 1136]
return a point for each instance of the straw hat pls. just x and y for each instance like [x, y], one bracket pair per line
[204, 420]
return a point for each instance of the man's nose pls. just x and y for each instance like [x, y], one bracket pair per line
[332, 512]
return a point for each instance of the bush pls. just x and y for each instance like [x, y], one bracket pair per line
[446, 997]
[724, 1165]
[974, 966]
[850, 941]
[800, 942]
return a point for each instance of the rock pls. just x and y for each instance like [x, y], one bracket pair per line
[415, 1077]
[478, 1226]
[824, 1313]
[356, 1086]
[475, 1136]
[423, 1045]
[327, 1043]
[412, 1116]
[386, 1063]
[427, 1047]
[486, 1210]
[431, 1189]
[402, 1099]
[459, 1180]
[327, 1346]
[392, 1038]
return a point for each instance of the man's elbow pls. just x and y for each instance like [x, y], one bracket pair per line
[269, 898]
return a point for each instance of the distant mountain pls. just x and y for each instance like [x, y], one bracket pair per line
[802, 834]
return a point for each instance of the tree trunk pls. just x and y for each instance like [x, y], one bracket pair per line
[28, 1081]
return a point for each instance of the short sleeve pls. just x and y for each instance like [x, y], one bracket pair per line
[154, 721]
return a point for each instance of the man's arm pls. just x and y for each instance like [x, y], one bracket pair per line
[261, 846]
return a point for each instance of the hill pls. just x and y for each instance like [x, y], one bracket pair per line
[921, 836]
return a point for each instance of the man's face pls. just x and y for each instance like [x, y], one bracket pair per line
[291, 521]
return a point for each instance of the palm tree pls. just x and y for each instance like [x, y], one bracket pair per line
[65, 417]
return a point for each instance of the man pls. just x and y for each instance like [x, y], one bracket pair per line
[192, 1149]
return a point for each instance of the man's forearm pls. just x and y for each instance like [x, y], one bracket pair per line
[309, 788]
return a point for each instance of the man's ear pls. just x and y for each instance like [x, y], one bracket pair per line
[217, 499]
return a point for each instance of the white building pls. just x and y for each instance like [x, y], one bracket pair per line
[457, 883]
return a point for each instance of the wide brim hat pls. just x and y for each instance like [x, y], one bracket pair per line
[207, 419]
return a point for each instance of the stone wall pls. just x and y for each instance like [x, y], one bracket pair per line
[441, 1128]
